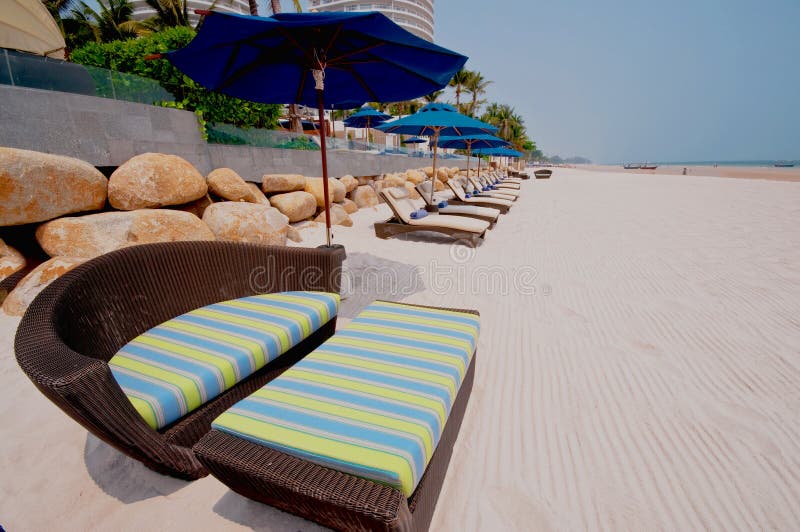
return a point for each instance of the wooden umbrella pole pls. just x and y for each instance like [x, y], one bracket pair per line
[435, 153]
[319, 76]
[469, 151]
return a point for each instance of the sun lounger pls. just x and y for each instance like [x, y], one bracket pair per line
[499, 185]
[457, 186]
[479, 190]
[358, 435]
[403, 221]
[470, 211]
[137, 346]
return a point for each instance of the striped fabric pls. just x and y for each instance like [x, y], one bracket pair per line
[372, 401]
[179, 365]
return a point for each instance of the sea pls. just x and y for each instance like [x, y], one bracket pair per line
[768, 163]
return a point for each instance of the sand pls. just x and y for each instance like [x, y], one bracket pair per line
[639, 370]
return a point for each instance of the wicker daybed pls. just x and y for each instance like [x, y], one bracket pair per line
[73, 328]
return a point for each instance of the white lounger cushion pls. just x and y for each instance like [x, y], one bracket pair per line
[490, 200]
[486, 212]
[471, 225]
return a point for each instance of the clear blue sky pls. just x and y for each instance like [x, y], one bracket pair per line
[684, 80]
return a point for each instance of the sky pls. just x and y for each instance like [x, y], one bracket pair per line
[634, 80]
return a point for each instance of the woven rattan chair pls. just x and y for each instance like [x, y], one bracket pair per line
[82, 319]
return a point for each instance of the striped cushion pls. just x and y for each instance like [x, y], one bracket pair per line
[177, 366]
[372, 401]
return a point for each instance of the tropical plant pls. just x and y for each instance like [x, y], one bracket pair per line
[169, 13]
[458, 83]
[511, 126]
[113, 22]
[253, 5]
[432, 97]
[129, 56]
[476, 86]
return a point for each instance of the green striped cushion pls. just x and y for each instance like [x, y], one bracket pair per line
[179, 365]
[372, 401]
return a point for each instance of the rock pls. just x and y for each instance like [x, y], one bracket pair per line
[439, 186]
[247, 222]
[29, 287]
[196, 207]
[338, 216]
[293, 234]
[443, 174]
[256, 196]
[394, 180]
[275, 183]
[349, 206]
[377, 186]
[155, 180]
[428, 171]
[453, 171]
[296, 206]
[336, 190]
[96, 234]
[365, 196]
[228, 185]
[35, 187]
[364, 180]
[11, 260]
[415, 176]
[412, 192]
[350, 183]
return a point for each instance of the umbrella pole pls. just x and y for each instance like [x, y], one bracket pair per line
[435, 153]
[469, 152]
[321, 105]
[366, 136]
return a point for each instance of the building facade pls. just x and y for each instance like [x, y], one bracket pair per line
[142, 11]
[415, 16]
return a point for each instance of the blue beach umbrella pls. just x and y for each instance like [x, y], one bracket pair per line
[435, 120]
[468, 142]
[496, 152]
[414, 140]
[314, 59]
[366, 117]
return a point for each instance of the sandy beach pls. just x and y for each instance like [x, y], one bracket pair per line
[742, 172]
[638, 369]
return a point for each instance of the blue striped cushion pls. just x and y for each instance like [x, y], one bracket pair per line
[372, 401]
[179, 365]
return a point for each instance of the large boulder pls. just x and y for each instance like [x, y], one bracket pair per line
[415, 176]
[247, 222]
[155, 180]
[29, 287]
[35, 187]
[229, 185]
[96, 234]
[349, 206]
[365, 196]
[296, 206]
[412, 191]
[11, 260]
[394, 180]
[428, 171]
[443, 174]
[256, 196]
[364, 180]
[275, 183]
[439, 186]
[196, 207]
[350, 183]
[336, 190]
[339, 216]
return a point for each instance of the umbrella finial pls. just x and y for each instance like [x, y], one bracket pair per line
[319, 79]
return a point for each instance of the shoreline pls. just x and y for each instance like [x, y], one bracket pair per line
[737, 172]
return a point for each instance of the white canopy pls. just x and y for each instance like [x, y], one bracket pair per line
[26, 25]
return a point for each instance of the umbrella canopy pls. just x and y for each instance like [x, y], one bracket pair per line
[497, 152]
[366, 117]
[414, 140]
[470, 142]
[315, 59]
[28, 26]
[435, 120]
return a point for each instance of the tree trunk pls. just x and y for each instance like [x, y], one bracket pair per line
[253, 7]
[276, 6]
[295, 120]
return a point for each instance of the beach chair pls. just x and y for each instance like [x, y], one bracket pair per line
[358, 435]
[470, 211]
[403, 221]
[496, 178]
[479, 190]
[502, 186]
[86, 337]
[463, 198]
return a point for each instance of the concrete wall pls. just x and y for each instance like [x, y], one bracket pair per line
[107, 132]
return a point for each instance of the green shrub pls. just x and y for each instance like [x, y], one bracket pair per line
[129, 56]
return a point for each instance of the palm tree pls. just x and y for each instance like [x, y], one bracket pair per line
[114, 22]
[476, 85]
[276, 6]
[432, 97]
[510, 125]
[253, 5]
[169, 13]
[458, 82]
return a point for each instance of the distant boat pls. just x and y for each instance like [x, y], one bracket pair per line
[648, 166]
[784, 164]
[632, 166]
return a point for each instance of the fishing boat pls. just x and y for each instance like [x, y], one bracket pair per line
[632, 166]
[784, 164]
[648, 166]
